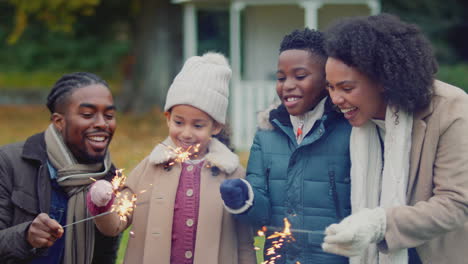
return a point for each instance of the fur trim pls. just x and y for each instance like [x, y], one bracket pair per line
[218, 156]
[263, 117]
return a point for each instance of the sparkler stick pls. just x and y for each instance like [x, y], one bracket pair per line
[87, 219]
[303, 231]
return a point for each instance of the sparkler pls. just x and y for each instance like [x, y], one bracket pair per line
[180, 154]
[282, 237]
[86, 219]
[124, 206]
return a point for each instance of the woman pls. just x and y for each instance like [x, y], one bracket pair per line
[380, 74]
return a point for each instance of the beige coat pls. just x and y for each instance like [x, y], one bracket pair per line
[436, 220]
[219, 239]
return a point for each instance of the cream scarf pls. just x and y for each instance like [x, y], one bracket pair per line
[368, 177]
[75, 178]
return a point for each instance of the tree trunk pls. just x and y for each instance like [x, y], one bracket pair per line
[157, 47]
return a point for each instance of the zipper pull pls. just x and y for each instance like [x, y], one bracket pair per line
[299, 129]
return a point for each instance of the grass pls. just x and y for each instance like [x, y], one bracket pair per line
[134, 139]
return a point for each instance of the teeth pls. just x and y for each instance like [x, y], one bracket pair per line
[346, 110]
[290, 99]
[99, 139]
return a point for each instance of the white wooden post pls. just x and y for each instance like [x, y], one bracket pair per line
[374, 6]
[235, 38]
[311, 13]
[190, 31]
[237, 113]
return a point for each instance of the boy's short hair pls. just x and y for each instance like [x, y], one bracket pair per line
[307, 39]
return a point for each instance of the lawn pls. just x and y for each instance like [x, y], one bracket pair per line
[134, 139]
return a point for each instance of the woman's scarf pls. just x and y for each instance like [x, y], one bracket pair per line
[75, 179]
[375, 184]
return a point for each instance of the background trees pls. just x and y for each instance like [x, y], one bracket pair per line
[133, 43]
[137, 44]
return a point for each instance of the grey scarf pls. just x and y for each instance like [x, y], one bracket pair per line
[75, 179]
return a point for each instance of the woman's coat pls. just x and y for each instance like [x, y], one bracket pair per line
[435, 222]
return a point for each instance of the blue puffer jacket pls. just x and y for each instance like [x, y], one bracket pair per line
[307, 183]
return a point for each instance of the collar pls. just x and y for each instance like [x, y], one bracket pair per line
[306, 121]
[218, 155]
[35, 148]
[421, 114]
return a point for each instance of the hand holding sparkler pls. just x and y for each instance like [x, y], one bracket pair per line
[354, 234]
[43, 231]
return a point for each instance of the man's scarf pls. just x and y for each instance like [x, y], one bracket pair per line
[75, 178]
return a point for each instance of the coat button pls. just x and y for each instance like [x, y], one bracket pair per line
[190, 168]
[189, 192]
[188, 254]
[189, 222]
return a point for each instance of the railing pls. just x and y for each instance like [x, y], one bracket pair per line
[247, 98]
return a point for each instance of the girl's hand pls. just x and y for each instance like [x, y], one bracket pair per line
[100, 197]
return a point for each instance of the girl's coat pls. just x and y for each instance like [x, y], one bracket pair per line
[220, 239]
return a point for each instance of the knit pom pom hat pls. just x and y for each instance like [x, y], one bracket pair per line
[203, 83]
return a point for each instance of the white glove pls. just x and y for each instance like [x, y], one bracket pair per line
[101, 193]
[354, 234]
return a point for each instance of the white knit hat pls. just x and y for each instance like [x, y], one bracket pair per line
[203, 83]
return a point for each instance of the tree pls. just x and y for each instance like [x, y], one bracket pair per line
[158, 51]
[57, 14]
[154, 29]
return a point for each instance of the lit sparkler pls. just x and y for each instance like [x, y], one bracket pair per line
[118, 181]
[182, 155]
[282, 236]
[124, 206]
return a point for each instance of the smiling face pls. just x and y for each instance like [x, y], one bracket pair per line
[300, 80]
[357, 96]
[87, 122]
[189, 126]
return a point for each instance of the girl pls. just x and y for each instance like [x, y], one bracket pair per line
[179, 217]
[299, 161]
[408, 146]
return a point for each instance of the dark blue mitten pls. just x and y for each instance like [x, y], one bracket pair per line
[234, 193]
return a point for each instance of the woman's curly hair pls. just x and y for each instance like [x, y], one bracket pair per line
[392, 53]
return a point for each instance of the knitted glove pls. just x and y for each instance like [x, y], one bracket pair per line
[100, 197]
[237, 195]
[354, 234]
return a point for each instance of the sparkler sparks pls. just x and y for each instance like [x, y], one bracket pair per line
[118, 181]
[181, 155]
[124, 206]
[281, 236]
